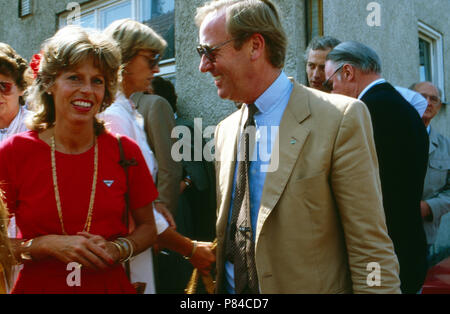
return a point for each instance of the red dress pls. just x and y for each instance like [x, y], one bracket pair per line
[26, 179]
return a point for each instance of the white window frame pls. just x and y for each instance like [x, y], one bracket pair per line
[435, 39]
[167, 67]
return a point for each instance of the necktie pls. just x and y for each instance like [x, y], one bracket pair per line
[240, 244]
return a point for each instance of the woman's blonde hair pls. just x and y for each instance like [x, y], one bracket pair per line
[14, 66]
[132, 36]
[7, 259]
[247, 17]
[67, 49]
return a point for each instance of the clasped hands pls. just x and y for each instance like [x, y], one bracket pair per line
[95, 252]
[92, 251]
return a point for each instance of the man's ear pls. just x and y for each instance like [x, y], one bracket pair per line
[348, 73]
[258, 45]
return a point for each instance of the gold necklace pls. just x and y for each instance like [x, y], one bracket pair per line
[87, 225]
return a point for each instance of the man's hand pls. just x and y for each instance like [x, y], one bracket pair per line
[426, 212]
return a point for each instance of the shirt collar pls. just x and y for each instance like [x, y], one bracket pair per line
[265, 102]
[124, 102]
[376, 82]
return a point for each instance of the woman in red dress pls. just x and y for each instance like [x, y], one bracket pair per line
[63, 181]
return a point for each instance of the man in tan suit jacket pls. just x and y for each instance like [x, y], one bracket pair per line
[319, 225]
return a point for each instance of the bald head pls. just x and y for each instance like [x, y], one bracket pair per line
[433, 97]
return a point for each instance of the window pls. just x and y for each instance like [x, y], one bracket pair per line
[314, 18]
[158, 14]
[25, 8]
[431, 64]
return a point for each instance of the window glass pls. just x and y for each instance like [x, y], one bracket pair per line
[88, 20]
[116, 12]
[425, 61]
[314, 18]
[160, 16]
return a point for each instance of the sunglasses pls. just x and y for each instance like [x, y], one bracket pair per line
[152, 61]
[327, 84]
[205, 50]
[6, 88]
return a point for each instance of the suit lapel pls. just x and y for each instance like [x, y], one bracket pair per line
[287, 147]
[433, 141]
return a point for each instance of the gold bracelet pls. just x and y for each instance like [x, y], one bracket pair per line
[119, 248]
[194, 248]
[124, 250]
[129, 248]
[25, 255]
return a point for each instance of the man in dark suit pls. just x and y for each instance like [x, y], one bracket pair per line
[401, 141]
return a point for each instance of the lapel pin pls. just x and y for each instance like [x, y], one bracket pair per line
[293, 141]
[108, 182]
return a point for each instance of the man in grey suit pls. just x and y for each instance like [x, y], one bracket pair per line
[436, 192]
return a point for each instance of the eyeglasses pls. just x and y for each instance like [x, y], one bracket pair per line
[152, 61]
[6, 88]
[431, 98]
[327, 84]
[209, 51]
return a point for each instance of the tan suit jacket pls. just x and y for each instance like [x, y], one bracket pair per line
[159, 121]
[321, 219]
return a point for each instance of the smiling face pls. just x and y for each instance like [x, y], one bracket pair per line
[230, 68]
[139, 72]
[9, 101]
[78, 94]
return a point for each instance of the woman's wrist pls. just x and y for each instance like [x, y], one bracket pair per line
[25, 250]
[194, 248]
[28, 250]
[115, 250]
[126, 249]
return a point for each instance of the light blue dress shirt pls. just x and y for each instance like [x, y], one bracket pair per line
[271, 105]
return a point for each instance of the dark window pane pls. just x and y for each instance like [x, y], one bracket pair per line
[160, 16]
[425, 60]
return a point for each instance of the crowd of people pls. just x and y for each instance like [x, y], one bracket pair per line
[357, 177]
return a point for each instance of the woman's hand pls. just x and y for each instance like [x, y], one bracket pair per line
[163, 210]
[88, 250]
[203, 257]
[108, 246]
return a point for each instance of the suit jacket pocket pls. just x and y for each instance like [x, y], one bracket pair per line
[438, 172]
